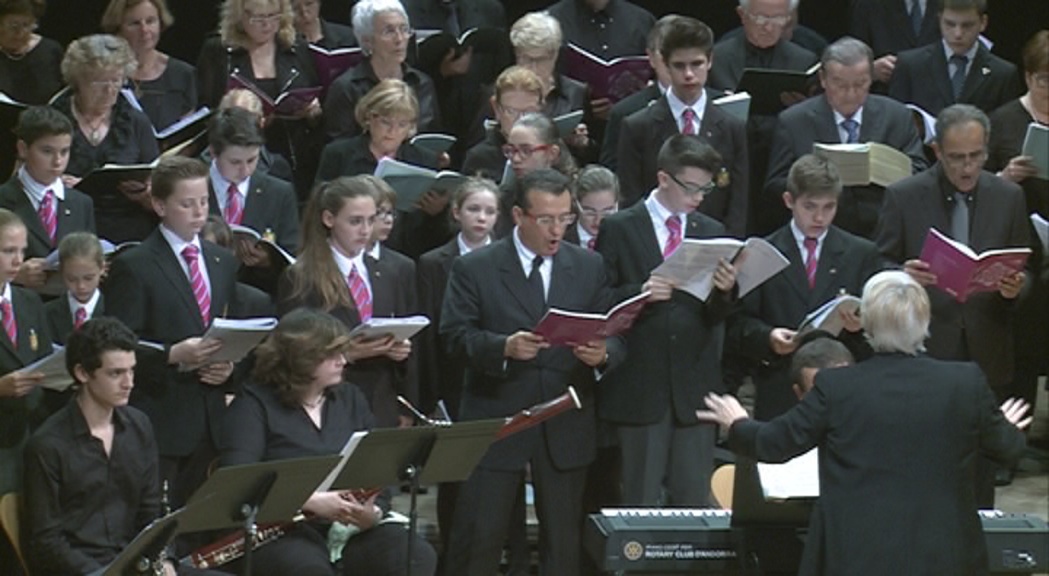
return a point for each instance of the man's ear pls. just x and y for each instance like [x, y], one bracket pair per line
[788, 200]
[80, 375]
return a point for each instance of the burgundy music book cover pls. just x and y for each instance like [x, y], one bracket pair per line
[961, 272]
[563, 327]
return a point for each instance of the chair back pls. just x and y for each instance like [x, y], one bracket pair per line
[9, 510]
[722, 483]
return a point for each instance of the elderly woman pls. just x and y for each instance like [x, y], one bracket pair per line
[298, 405]
[257, 42]
[316, 30]
[107, 130]
[30, 65]
[383, 31]
[518, 91]
[536, 38]
[865, 420]
[166, 87]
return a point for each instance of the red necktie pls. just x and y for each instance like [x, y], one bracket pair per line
[810, 260]
[48, 215]
[674, 239]
[689, 116]
[361, 296]
[591, 243]
[196, 281]
[10, 326]
[80, 317]
[234, 207]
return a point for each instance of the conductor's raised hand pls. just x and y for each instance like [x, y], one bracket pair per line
[721, 409]
[725, 276]
[524, 345]
[593, 353]
[660, 287]
[1015, 410]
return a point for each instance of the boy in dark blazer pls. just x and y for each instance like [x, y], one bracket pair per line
[36, 193]
[763, 330]
[167, 290]
[675, 344]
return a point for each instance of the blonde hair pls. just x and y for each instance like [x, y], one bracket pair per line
[390, 97]
[233, 10]
[518, 79]
[83, 245]
[536, 31]
[95, 53]
[381, 191]
[113, 17]
[895, 312]
[9, 219]
[244, 99]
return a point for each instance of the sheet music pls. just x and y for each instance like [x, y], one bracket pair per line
[796, 478]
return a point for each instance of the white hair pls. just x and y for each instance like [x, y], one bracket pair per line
[363, 17]
[536, 31]
[895, 312]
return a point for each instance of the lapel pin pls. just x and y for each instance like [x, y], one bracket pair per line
[833, 271]
[723, 178]
[68, 212]
[378, 274]
[258, 190]
[34, 343]
[986, 70]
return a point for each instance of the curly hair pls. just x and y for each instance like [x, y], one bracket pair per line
[286, 360]
[90, 54]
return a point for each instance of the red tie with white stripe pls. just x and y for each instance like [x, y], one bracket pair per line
[196, 281]
[361, 296]
[48, 215]
[10, 325]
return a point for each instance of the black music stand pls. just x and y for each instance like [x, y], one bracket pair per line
[243, 496]
[428, 453]
[150, 543]
[771, 531]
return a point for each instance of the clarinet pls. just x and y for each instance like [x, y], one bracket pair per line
[155, 565]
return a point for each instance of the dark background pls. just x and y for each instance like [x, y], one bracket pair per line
[1012, 22]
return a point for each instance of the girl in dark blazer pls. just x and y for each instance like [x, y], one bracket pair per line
[80, 263]
[334, 274]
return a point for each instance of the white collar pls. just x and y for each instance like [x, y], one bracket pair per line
[88, 306]
[857, 116]
[178, 244]
[677, 107]
[970, 54]
[346, 264]
[464, 248]
[36, 190]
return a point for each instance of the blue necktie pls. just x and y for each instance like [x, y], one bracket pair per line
[916, 17]
[958, 78]
[852, 129]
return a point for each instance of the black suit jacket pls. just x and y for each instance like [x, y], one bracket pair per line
[60, 320]
[392, 279]
[644, 132]
[922, 77]
[269, 205]
[19, 415]
[440, 373]
[892, 431]
[148, 291]
[981, 328]
[885, 25]
[812, 121]
[75, 214]
[730, 56]
[620, 110]
[845, 263]
[675, 346]
[348, 89]
[488, 300]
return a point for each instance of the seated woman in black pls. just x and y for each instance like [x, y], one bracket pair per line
[107, 130]
[298, 406]
[30, 65]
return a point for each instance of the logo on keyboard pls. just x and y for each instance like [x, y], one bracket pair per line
[633, 550]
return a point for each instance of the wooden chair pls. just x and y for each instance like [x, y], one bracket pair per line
[9, 510]
[721, 484]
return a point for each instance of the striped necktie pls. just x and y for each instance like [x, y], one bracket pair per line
[674, 236]
[810, 260]
[10, 325]
[234, 206]
[196, 281]
[48, 215]
[361, 296]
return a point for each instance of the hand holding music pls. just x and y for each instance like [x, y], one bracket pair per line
[781, 340]
[524, 345]
[884, 67]
[1019, 169]
[593, 353]
[722, 409]
[660, 288]
[1010, 286]
[361, 347]
[601, 108]
[1014, 410]
[32, 273]
[725, 276]
[433, 202]
[194, 351]
[919, 270]
[215, 374]
[251, 254]
[851, 319]
[17, 384]
[399, 351]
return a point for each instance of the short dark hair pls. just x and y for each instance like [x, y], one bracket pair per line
[38, 122]
[820, 351]
[682, 151]
[958, 114]
[962, 5]
[684, 33]
[174, 169]
[234, 127]
[654, 41]
[546, 180]
[87, 344]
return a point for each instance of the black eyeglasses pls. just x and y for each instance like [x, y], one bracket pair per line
[694, 189]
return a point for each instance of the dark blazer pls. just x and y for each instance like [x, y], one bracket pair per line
[802, 125]
[18, 416]
[348, 89]
[60, 320]
[620, 110]
[441, 374]
[217, 62]
[393, 292]
[270, 205]
[865, 421]
[335, 35]
[730, 56]
[75, 214]
[148, 291]
[675, 346]
[486, 158]
[486, 301]
[922, 77]
[981, 328]
[885, 25]
[644, 132]
[351, 156]
[845, 263]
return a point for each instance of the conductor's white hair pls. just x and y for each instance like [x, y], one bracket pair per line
[895, 312]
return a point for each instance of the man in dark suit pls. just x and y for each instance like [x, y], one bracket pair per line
[761, 45]
[167, 290]
[687, 108]
[956, 69]
[895, 429]
[977, 209]
[675, 345]
[892, 26]
[49, 209]
[640, 99]
[495, 296]
[845, 113]
[825, 261]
